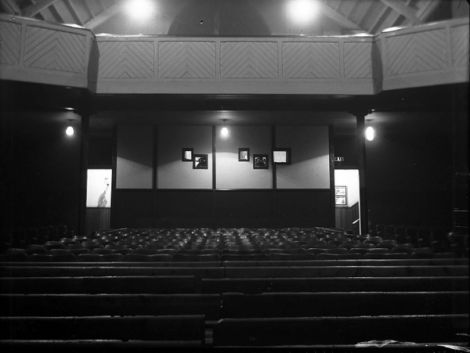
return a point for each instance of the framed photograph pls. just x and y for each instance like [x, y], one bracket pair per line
[341, 195]
[187, 155]
[200, 161]
[243, 154]
[281, 156]
[260, 161]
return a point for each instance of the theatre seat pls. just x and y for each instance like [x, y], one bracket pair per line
[171, 327]
[335, 284]
[100, 284]
[110, 304]
[291, 304]
[339, 330]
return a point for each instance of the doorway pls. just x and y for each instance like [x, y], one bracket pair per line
[347, 200]
[98, 199]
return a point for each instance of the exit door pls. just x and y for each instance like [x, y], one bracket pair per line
[347, 200]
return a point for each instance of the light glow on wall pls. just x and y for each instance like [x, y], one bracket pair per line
[302, 11]
[139, 9]
[370, 133]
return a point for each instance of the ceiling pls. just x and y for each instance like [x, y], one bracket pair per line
[238, 17]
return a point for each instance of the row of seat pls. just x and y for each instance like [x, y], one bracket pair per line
[239, 332]
[312, 254]
[184, 244]
[141, 327]
[254, 262]
[220, 302]
[24, 236]
[236, 305]
[191, 284]
[340, 330]
[236, 271]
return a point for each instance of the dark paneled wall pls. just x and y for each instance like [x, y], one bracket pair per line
[409, 168]
[215, 208]
[39, 171]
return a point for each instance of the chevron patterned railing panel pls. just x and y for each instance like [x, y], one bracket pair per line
[435, 53]
[253, 60]
[41, 52]
[311, 60]
[424, 51]
[357, 59]
[53, 50]
[459, 45]
[126, 59]
[10, 43]
[186, 59]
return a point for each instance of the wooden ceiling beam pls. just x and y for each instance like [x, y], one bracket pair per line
[338, 17]
[11, 7]
[427, 10]
[56, 13]
[103, 16]
[379, 20]
[403, 10]
[40, 5]
[73, 11]
[391, 19]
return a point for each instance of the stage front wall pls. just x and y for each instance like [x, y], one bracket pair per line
[170, 192]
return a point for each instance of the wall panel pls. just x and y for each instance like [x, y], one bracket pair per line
[172, 173]
[133, 208]
[307, 208]
[134, 160]
[310, 165]
[232, 174]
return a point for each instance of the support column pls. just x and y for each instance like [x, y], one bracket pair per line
[83, 134]
[362, 166]
[460, 173]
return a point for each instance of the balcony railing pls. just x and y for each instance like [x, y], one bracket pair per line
[36, 51]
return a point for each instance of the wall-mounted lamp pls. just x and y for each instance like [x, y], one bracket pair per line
[224, 131]
[69, 131]
[369, 133]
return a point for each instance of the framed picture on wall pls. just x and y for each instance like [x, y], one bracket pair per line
[187, 155]
[260, 161]
[200, 161]
[341, 195]
[281, 156]
[243, 154]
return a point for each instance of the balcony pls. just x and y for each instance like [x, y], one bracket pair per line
[40, 52]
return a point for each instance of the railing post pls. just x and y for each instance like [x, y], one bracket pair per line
[84, 112]
[362, 166]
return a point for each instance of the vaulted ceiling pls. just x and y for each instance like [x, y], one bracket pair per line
[238, 17]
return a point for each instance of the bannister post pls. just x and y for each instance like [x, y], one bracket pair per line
[362, 166]
[84, 113]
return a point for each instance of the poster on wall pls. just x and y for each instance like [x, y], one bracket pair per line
[200, 161]
[341, 195]
[260, 161]
[98, 191]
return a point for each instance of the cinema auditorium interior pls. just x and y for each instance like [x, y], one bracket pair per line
[224, 175]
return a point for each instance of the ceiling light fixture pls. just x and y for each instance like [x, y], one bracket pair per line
[139, 9]
[302, 11]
